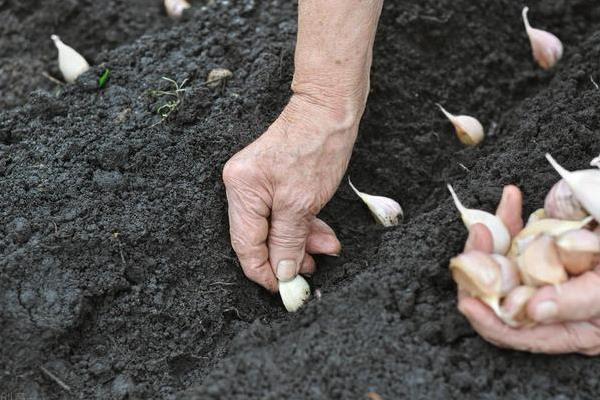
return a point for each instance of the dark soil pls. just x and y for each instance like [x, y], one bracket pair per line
[116, 274]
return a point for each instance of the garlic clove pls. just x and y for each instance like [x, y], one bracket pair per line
[537, 215]
[578, 250]
[385, 210]
[468, 129]
[585, 184]
[294, 293]
[479, 275]
[217, 76]
[70, 62]
[561, 203]
[509, 274]
[548, 226]
[175, 8]
[514, 306]
[540, 264]
[547, 48]
[595, 162]
[470, 217]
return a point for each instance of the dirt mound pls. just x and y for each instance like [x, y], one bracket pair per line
[116, 274]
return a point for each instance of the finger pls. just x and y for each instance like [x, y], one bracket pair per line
[510, 209]
[322, 239]
[287, 242]
[248, 227]
[552, 339]
[480, 238]
[575, 300]
[309, 266]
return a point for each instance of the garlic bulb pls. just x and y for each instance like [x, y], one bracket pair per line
[514, 306]
[540, 264]
[537, 215]
[479, 275]
[468, 129]
[548, 226]
[508, 272]
[70, 62]
[385, 210]
[561, 203]
[294, 293]
[547, 49]
[585, 184]
[578, 250]
[175, 8]
[470, 217]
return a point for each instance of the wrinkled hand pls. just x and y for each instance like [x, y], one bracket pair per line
[278, 184]
[568, 322]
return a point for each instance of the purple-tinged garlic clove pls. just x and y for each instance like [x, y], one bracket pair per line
[386, 211]
[547, 49]
[468, 129]
[561, 203]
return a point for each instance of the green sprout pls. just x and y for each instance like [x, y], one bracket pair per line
[175, 98]
[103, 78]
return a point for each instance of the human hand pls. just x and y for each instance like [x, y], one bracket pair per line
[568, 322]
[278, 184]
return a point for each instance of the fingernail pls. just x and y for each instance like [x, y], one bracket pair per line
[333, 254]
[286, 270]
[545, 311]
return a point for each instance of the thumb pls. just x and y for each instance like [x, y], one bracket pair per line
[576, 300]
[287, 243]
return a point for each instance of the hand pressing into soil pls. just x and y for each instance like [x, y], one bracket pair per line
[569, 322]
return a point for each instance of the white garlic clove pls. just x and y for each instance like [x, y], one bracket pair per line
[294, 293]
[578, 250]
[217, 76]
[537, 215]
[585, 184]
[70, 62]
[385, 210]
[561, 203]
[468, 129]
[509, 274]
[470, 217]
[595, 162]
[540, 264]
[548, 226]
[479, 275]
[175, 8]
[547, 48]
[514, 306]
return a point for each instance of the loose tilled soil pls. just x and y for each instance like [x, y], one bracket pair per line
[116, 275]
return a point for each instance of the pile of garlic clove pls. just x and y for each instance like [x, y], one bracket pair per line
[560, 241]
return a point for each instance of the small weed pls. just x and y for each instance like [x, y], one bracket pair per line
[175, 98]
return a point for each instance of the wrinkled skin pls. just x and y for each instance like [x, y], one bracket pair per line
[567, 323]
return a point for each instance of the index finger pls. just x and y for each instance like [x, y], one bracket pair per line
[510, 209]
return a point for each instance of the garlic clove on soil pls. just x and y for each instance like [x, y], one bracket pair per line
[595, 162]
[468, 129]
[294, 293]
[514, 306]
[509, 274]
[585, 184]
[70, 62]
[217, 76]
[578, 250]
[385, 210]
[470, 217]
[537, 215]
[561, 203]
[479, 275]
[175, 8]
[547, 49]
[540, 264]
[548, 226]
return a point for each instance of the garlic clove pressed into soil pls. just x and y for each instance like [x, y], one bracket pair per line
[468, 129]
[294, 293]
[547, 49]
[386, 211]
[175, 8]
[70, 62]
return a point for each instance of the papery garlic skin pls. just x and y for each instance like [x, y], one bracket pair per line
[470, 217]
[509, 273]
[547, 49]
[175, 8]
[578, 250]
[294, 293]
[70, 62]
[468, 129]
[585, 184]
[386, 211]
[514, 306]
[561, 203]
[540, 264]
[479, 275]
